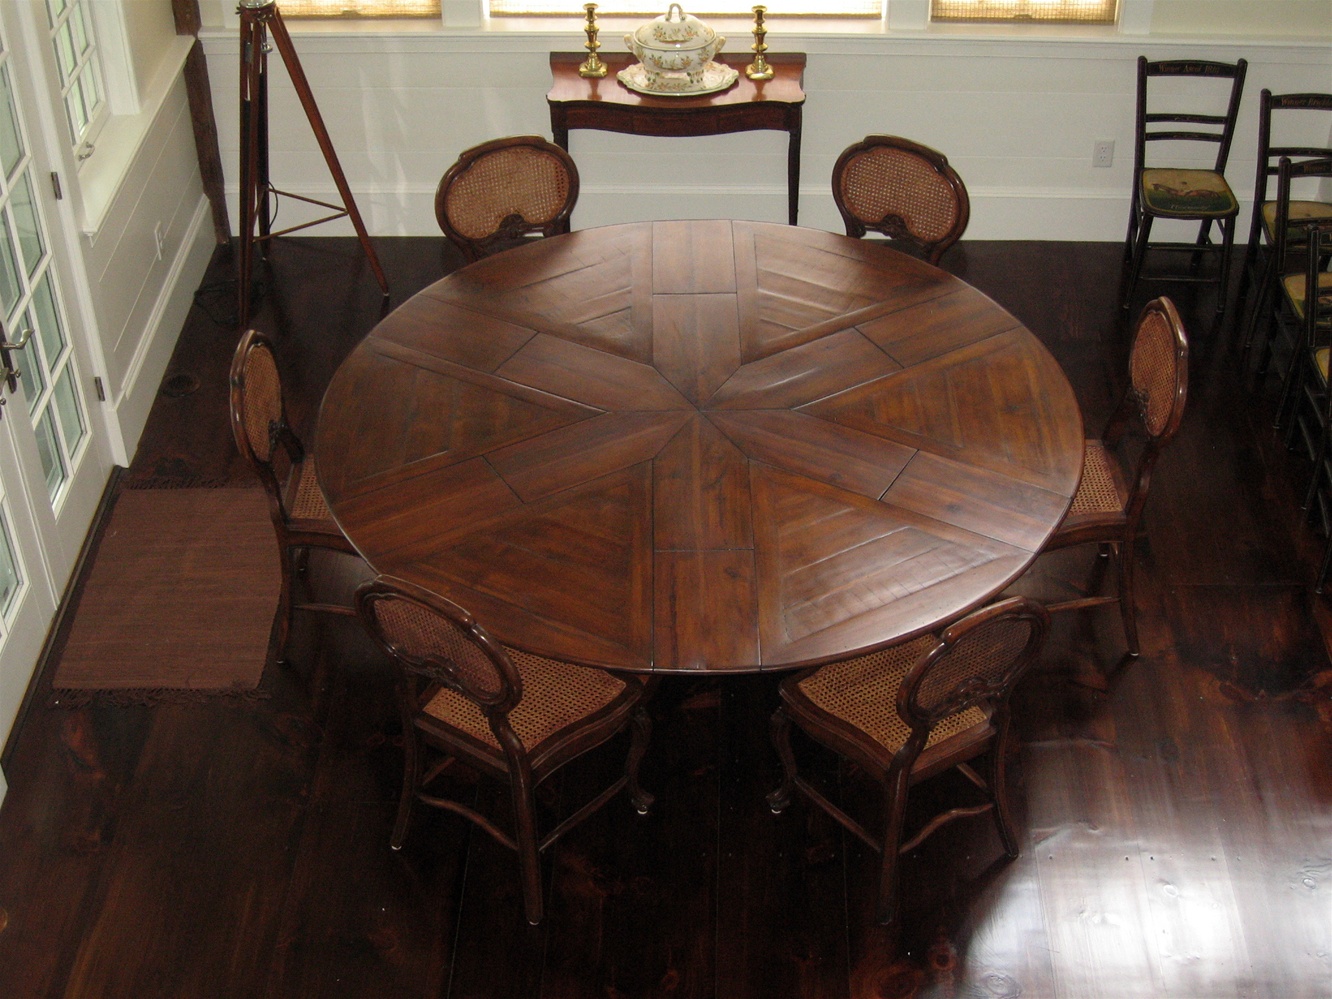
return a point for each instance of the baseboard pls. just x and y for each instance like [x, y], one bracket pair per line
[1054, 214]
[129, 411]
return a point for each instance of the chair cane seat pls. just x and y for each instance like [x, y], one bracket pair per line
[307, 500]
[556, 696]
[863, 692]
[1191, 193]
[1099, 491]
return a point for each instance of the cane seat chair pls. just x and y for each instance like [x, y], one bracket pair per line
[1289, 116]
[504, 192]
[514, 716]
[265, 439]
[908, 713]
[1187, 194]
[1107, 508]
[903, 190]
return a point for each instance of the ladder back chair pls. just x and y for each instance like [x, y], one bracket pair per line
[912, 711]
[504, 192]
[265, 439]
[1312, 314]
[1107, 508]
[1282, 120]
[903, 190]
[1190, 194]
[511, 715]
[1277, 319]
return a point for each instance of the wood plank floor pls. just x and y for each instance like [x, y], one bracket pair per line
[1176, 826]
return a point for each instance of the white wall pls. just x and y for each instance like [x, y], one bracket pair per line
[1016, 110]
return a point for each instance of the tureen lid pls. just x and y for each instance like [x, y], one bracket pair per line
[675, 30]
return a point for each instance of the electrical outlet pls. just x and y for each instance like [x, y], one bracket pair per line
[157, 239]
[1103, 153]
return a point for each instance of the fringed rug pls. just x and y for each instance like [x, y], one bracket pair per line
[179, 601]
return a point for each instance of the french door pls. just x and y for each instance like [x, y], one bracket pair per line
[54, 461]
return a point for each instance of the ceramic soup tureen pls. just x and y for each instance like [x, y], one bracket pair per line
[674, 53]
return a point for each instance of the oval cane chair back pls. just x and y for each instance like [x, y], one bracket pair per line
[503, 192]
[265, 439]
[907, 713]
[974, 666]
[902, 189]
[510, 714]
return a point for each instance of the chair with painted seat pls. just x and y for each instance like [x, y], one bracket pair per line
[908, 713]
[1185, 193]
[266, 440]
[1107, 508]
[902, 190]
[502, 193]
[511, 715]
[1284, 120]
[1277, 321]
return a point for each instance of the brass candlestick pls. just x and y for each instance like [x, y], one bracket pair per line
[759, 68]
[592, 66]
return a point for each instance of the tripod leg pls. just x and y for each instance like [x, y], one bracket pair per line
[252, 41]
[302, 85]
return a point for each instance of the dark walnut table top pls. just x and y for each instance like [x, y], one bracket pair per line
[701, 445]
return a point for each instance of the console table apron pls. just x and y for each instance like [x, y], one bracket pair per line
[608, 105]
[701, 445]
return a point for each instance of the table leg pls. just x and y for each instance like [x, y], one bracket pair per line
[793, 168]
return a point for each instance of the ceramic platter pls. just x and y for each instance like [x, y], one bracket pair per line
[716, 76]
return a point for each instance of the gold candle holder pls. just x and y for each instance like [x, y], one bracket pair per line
[759, 69]
[592, 66]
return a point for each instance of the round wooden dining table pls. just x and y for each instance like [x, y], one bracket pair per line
[701, 446]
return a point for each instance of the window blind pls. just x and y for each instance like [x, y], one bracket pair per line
[699, 8]
[1065, 11]
[359, 8]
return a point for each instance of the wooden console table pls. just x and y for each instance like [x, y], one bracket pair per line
[610, 106]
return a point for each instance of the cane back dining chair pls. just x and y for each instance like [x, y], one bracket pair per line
[1277, 320]
[890, 185]
[1189, 194]
[908, 713]
[514, 716]
[1283, 119]
[1107, 508]
[265, 439]
[501, 193]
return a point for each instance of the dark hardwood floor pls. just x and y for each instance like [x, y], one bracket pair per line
[1176, 825]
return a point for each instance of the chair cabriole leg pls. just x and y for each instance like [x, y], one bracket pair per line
[642, 800]
[780, 728]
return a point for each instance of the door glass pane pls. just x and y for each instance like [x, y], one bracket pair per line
[25, 220]
[67, 409]
[49, 330]
[9, 273]
[64, 47]
[30, 363]
[10, 580]
[11, 144]
[53, 462]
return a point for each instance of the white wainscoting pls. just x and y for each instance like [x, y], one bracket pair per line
[1018, 117]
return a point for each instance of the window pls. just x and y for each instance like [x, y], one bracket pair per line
[1062, 11]
[699, 8]
[360, 8]
[82, 89]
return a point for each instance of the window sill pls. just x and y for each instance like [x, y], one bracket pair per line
[101, 175]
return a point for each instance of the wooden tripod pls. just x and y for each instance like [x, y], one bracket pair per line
[258, 18]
